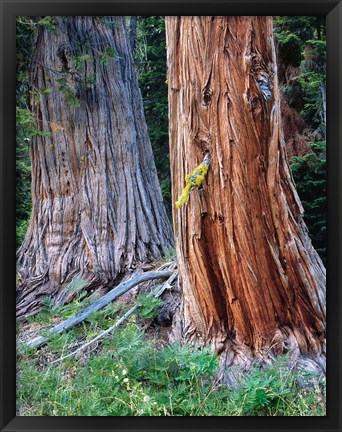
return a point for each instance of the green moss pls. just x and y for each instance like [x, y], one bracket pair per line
[195, 179]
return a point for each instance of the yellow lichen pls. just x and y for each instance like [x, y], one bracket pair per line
[195, 179]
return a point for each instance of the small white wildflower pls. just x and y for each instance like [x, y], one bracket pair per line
[146, 398]
[125, 380]
[124, 372]
[116, 377]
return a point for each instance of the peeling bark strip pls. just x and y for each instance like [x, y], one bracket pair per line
[252, 282]
[97, 207]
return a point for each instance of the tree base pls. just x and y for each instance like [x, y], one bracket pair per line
[236, 361]
[32, 292]
[236, 358]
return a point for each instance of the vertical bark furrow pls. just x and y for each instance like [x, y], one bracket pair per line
[250, 250]
[94, 181]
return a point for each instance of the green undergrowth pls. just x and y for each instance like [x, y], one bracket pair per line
[126, 374]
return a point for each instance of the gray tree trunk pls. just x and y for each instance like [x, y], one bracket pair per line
[97, 207]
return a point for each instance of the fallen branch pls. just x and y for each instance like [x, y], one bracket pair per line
[99, 304]
[166, 285]
[168, 265]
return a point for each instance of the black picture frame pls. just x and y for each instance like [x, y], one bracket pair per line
[332, 9]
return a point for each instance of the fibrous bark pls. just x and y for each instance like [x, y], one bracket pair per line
[297, 134]
[97, 208]
[253, 286]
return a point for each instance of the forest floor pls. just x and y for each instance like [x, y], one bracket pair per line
[135, 371]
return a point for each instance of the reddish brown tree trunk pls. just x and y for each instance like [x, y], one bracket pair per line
[253, 286]
[97, 206]
[297, 135]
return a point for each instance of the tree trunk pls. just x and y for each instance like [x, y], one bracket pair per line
[297, 135]
[253, 286]
[97, 207]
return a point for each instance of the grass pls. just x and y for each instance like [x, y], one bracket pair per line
[127, 375]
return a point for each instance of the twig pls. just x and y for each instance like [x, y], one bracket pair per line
[169, 265]
[82, 347]
[165, 286]
[99, 304]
